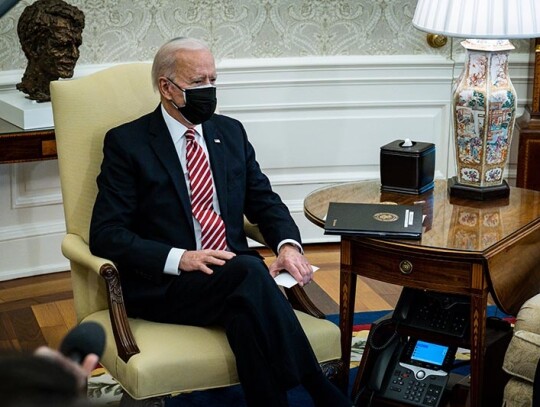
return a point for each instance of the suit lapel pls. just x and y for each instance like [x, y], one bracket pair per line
[162, 143]
[216, 151]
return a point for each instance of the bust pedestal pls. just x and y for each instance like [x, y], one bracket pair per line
[17, 109]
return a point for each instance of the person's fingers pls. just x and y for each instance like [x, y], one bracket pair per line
[274, 269]
[205, 269]
[198, 260]
[80, 372]
[307, 271]
[297, 274]
[221, 254]
[89, 363]
[214, 258]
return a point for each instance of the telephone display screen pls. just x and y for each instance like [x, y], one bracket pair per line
[429, 353]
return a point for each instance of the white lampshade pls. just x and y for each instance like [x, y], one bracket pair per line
[483, 19]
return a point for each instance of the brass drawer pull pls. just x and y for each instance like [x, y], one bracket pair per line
[405, 266]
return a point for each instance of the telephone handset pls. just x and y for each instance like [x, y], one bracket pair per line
[385, 358]
[446, 314]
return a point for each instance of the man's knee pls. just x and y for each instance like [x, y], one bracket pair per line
[239, 271]
[246, 264]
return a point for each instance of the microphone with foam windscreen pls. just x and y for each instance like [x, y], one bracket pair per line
[86, 338]
[5, 6]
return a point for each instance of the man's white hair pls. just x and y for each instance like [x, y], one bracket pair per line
[165, 60]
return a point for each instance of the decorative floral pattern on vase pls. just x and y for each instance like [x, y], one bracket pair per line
[477, 70]
[484, 115]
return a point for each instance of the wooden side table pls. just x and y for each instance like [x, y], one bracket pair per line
[19, 145]
[473, 248]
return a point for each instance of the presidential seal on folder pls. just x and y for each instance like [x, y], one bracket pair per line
[374, 220]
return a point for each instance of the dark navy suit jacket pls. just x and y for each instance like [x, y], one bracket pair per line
[143, 209]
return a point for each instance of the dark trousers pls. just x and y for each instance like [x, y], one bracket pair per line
[272, 351]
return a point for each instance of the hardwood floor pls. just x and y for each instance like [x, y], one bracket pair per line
[39, 310]
[35, 311]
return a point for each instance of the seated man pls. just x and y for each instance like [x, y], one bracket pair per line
[173, 190]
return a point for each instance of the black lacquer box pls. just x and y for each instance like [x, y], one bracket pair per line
[407, 166]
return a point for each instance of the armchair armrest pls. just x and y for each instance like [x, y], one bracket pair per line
[77, 251]
[125, 341]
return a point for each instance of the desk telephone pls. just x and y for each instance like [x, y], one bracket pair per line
[411, 370]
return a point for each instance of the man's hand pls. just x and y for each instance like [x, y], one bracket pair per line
[198, 260]
[291, 260]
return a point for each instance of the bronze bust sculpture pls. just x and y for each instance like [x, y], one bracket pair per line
[50, 32]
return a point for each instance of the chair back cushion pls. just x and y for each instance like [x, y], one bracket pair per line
[84, 110]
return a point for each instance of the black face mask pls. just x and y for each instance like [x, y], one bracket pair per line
[200, 104]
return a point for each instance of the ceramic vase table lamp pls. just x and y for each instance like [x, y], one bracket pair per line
[484, 100]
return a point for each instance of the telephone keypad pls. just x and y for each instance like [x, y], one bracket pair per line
[446, 314]
[404, 387]
[432, 395]
[446, 321]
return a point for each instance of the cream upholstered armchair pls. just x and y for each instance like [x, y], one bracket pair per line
[522, 358]
[148, 359]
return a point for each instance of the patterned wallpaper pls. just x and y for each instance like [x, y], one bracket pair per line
[132, 30]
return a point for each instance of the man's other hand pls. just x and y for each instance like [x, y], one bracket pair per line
[199, 260]
[290, 259]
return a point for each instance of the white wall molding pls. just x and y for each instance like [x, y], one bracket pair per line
[332, 105]
[34, 271]
[306, 178]
[31, 249]
[27, 193]
[32, 230]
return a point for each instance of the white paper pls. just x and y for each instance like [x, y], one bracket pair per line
[284, 279]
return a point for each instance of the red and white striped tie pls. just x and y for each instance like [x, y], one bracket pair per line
[202, 193]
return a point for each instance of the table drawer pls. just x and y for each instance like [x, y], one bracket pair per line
[413, 269]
